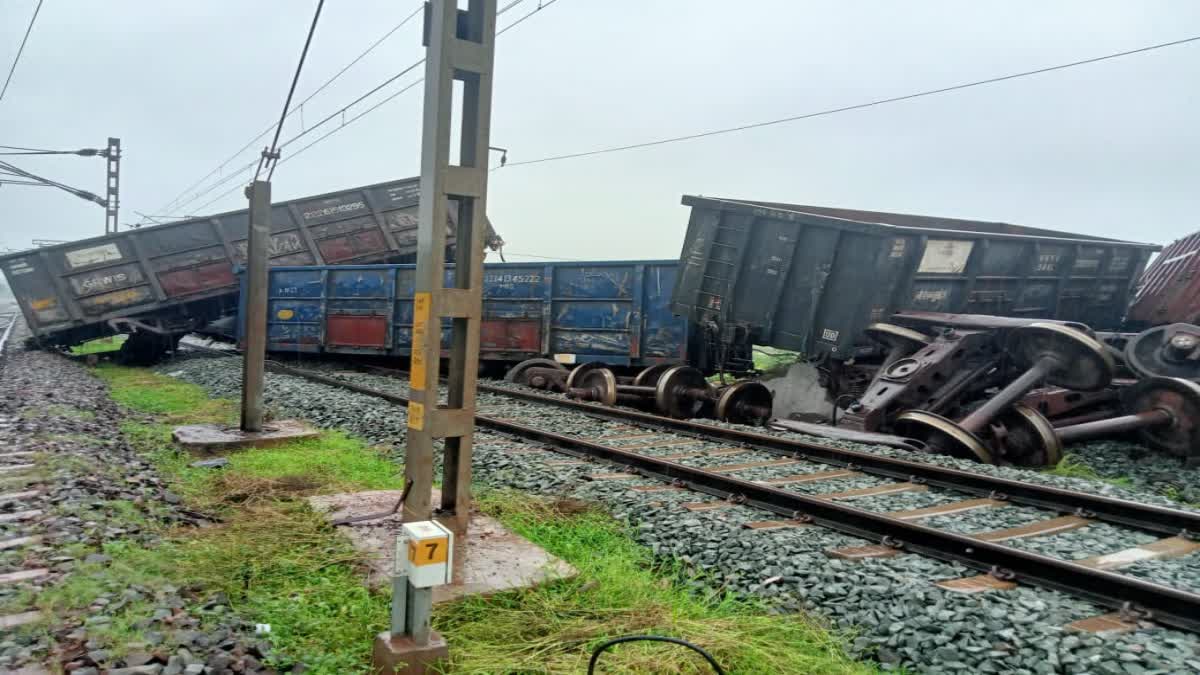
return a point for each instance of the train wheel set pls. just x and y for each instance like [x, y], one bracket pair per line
[677, 391]
[1047, 385]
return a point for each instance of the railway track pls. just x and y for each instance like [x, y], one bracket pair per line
[799, 483]
[8, 320]
[20, 510]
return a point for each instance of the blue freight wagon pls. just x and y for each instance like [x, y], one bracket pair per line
[615, 313]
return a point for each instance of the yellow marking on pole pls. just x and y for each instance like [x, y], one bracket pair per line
[285, 314]
[420, 331]
[416, 415]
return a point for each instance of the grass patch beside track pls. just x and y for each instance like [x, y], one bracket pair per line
[275, 561]
[271, 557]
[619, 591]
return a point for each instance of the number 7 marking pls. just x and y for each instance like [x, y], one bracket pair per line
[432, 546]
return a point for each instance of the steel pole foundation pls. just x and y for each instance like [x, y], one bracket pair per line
[255, 314]
[460, 48]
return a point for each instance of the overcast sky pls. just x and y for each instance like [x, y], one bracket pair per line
[1111, 149]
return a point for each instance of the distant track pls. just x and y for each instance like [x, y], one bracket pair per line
[9, 320]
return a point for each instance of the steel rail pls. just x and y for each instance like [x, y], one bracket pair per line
[1165, 605]
[12, 321]
[1148, 517]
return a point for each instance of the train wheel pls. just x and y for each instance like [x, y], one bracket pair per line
[518, 374]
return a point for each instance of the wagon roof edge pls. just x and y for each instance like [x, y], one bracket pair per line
[878, 222]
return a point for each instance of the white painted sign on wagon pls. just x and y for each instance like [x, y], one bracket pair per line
[91, 256]
[945, 256]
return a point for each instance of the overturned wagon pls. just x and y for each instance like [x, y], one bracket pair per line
[811, 279]
[163, 281]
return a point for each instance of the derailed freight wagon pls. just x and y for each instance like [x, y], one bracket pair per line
[573, 312]
[160, 282]
[810, 279]
[1169, 291]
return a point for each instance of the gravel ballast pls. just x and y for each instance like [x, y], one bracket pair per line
[899, 616]
[96, 489]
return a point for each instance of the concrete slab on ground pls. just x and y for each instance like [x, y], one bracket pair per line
[217, 438]
[496, 559]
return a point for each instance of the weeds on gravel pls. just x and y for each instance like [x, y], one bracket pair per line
[279, 563]
[58, 410]
[619, 590]
[1074, 466]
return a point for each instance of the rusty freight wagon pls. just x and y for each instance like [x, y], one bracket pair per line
[160, 282]
[811, 279]
[1169, 291]
[611, 312]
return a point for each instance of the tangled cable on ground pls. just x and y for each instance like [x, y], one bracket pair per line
[651, 638]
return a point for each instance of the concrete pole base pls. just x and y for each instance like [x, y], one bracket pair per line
[401, 656]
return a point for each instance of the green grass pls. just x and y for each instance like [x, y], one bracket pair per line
[277, 562]
[620, 590]
[100, 345]
[175, 401]
[1074, 466]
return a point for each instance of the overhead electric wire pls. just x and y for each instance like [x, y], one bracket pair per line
[82, 194]
[237, 172]
[83, 152]
[857, 106]
[341, 111]
[540, 7]
[298, 106]
[329, 133]
[20, 50]
[272, 151]
[18, 147]
[542, 257]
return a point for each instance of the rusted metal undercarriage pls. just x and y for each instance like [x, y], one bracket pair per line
[998, 390]
[1013, 391]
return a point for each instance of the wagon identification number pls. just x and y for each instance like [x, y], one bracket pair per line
[334, 210]
[513, 278]
[106, 282]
